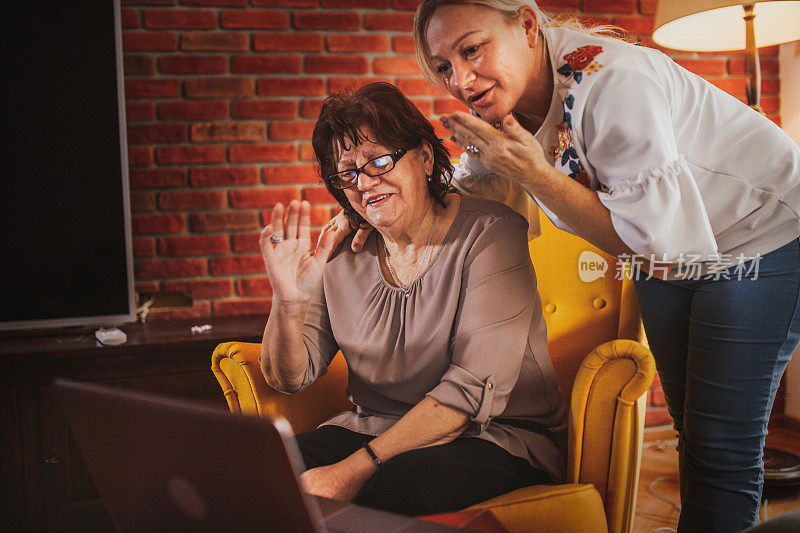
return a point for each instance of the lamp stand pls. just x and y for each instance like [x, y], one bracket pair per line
[751, 63]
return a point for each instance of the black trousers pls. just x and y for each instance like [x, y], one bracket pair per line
[438, 479]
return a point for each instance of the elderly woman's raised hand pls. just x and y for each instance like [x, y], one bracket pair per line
[294, 269]
[513, 154]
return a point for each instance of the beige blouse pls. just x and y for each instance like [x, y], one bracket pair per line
[469, 333]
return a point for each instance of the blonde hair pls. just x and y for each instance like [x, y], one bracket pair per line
[511, 10]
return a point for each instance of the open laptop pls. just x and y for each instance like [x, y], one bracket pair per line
[164, 464]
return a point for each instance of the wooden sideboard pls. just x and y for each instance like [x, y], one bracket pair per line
[45, 484]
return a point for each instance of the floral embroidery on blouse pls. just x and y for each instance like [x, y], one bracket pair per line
[579, 61]
[565, 156]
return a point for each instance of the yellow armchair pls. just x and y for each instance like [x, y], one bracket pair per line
[593, 331]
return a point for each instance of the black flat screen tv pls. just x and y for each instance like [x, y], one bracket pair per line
[66, 238]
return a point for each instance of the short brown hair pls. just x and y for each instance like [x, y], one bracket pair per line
[394, 121]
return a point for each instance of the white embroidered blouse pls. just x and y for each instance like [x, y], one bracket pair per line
[685, 169]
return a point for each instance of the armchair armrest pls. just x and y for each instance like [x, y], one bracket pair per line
[235, 365]
[606, 425]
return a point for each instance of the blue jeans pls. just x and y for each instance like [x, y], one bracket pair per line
[721, 347]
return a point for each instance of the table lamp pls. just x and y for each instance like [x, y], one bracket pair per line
[717, 25]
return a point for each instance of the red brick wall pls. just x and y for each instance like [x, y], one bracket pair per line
[221, 100]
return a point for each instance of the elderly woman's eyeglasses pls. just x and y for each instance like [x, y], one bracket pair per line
[374, 167]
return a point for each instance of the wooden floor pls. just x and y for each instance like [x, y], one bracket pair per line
[660, 462]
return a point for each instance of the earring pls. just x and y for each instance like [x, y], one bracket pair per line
[430, 178]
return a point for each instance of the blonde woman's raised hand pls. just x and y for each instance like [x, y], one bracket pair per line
[513, 154]
[294, 268]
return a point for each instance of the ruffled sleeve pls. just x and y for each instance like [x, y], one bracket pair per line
[490, 333]
[648, 187]
[472, 177]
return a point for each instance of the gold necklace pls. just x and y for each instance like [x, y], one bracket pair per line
[407, 288]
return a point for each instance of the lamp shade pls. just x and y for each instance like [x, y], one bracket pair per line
[716, 25]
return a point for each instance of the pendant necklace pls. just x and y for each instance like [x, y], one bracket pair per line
[407, 288]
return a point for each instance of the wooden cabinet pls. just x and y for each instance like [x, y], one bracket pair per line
[45, 482]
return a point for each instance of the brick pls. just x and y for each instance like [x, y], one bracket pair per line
[180, 200]
[157, 224]
[318, 195]
[215, 177]
[194, 245]
[215, 3]
[657, 397]
[704, 67]
[326, 20]
[254, 20]
[262, 197]
[180, 19]
[596, 20]
[144, 247]
[285, 3]
[403, 44]
[310, 108]
[139, 111]
[417, 86]
[657, 416]
[264, 152]
[635, 25]
[148, 287]
[372, 4]
[287, 42]
[150, 41]
[770, 85]
[219, 87]
[444, 107]
[150, 2]
[254, 286]
[307, 152]
[215, 42]
[205, 288]
[647, 7]
[167, 178]
[152, 88]
[129, 18]
[246, 242]
[410, 5]
[170, 268]
[192, 64]
[224, 221]
[609, 6]
[156, 133]
[138, 65]
[768, 66]
[200, 309]
[291, 86]
[238, 264]
[340, 64]
[734, 86]
[143, 202]
[389, 21]
[284, 131]
[362, 43]
[425, 106]
[252, 306]
[558, 5]
[268, 64]
[140, 157]
[336, 85]
[203, 132]
[290, 174]
[264, 109]
[770, 104]
[395, 65]
[183, 155]
[195, 110]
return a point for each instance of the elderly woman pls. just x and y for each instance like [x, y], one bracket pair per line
[438, 318]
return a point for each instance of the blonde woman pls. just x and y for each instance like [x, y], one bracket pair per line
[621, 146]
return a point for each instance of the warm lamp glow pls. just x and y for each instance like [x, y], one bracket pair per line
[709, 25]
